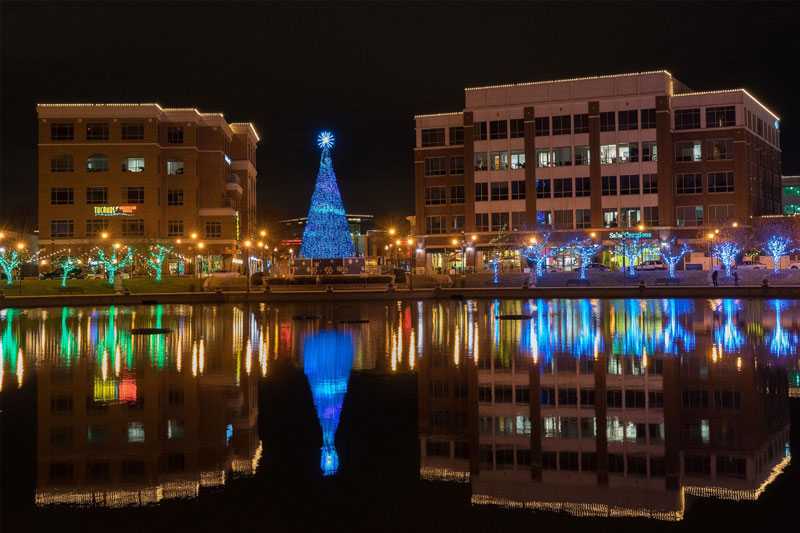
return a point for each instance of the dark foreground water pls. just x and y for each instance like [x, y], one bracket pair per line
[460, 415]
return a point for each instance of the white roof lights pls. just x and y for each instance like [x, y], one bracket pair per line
[583, 78]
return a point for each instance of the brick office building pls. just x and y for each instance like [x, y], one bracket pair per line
[594, 154]
[140, 173]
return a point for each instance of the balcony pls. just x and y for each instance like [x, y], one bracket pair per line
[233, 186]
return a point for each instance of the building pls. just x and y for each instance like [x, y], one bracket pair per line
[593, 154]
[790, 195]
[359, 226]
[141, 173]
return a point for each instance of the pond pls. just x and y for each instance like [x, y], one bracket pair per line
[462, 414]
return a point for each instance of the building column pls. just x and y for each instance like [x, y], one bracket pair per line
[666, 155]
[530, 166]
[469, 172]
[595, 175]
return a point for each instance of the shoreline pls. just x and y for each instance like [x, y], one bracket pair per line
[601, 292]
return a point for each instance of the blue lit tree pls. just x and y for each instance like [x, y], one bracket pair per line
[9, 260]
[631, 248]
[113, 264]
[583, 251]
[67, 265]
[726, 253]
[776, 247]
[537, 254]
[327, 234]
[672, 255]
[155, 259]
[495, 262]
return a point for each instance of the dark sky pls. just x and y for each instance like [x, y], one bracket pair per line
[363, 71]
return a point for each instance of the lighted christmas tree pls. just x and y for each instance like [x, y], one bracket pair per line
[155, 260]
[68, 265]
[8, 262]
[113, 264]
[327, 234]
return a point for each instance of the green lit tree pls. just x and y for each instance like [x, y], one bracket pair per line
[113, 264]
[9, 261]
[67, 265]
[155, 260]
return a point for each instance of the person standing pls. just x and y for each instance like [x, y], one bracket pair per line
[714, 277]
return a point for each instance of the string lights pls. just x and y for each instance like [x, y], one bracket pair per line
[672, 256]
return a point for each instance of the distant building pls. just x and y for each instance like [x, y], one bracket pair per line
[791, 195]
[292, 231]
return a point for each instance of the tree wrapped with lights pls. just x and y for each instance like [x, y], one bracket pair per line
[583, 251]
[630, 248]
[726, 253]
[776, 247]
[68, 265]
[537, 253]
[113, 264]
[672, 255]
[327, 234]
[155, 259]
[495, 263]
[9, 261]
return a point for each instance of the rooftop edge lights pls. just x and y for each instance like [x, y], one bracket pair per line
[723, 91]
[583, 78]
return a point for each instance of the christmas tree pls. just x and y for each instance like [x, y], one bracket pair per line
[327, 234]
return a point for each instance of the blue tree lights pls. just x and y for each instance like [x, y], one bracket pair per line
[776, 247]
[537, 252]
[326, 235]
[726, 253]
[631, 248]
[672, 255]
[584, 250]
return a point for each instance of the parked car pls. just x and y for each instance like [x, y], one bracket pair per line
[651, 265]
[56, 273]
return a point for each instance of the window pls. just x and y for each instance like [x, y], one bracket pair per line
[481, 161]
[688, 151]
[628, 120]
[62, 196]
[456, 135]
[731, 466]
[563, 218]
[582, 155]
[542, 126]
[517, 128]
[609, 186]
[562, 188]
[688, 183]
[133, 195]
[542, 188]
[631, 217]
[458, 222]
[435, 224]
[175, 197]
[583, 187]
[479, 131]
[689, 215]
[581, 123]
[607, 121]
[135, 432]
[498, 129]
[97, 131]
[499, 221]
[133, 164]
[432, 137]
[62, 132]
[719, 149]
[435, 195]
[97, 163]
[628, 152]
[457, 194]
[544, 158]
[498, 161]
[562, 157]
[174, 167]
[610, 217]
[651, 215]
[96, 195]
[175, 429]
[132, 131]
[133, 227]
[544, 218]
[213, 230]
[721, 214]
[720, 117]
[96, 433]
[502, 394]
[649, 151]
[95, 227]
[687, 119]
[175, 135]
[456, 166]
[517, 160]
[608, 154]
[562, 125]
[62, 163]
[62, 228]
[519, 220]
[481, 221]
[434, 166]
[175, 228]
[650, 183]
[628, 184]
[481, 192]
[583, 218]
[648, 119]
[518, 190]
[720, 182]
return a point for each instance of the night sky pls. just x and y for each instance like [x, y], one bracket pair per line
[361, 71]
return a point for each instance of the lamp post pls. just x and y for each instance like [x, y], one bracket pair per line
[247, 245]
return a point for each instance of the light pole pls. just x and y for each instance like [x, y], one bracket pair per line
[247, 245]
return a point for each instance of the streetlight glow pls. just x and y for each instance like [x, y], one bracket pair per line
[104, 235]
[392, 231]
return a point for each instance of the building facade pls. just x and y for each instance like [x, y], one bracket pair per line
[791, 195]
[141, 173]
[594, 155]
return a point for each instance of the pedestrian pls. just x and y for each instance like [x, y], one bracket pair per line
[714, 276]
[736, 277]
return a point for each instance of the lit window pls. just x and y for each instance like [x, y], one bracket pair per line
[517, 160]
[174, 167]
[610, 217]
[628, 152]
[689, 215]
[174, 429]
[608, 154]
[499, 161]
[133, 164]
[688, 151]
[135, 432]
[562, 157]
[97, 163]
[544, 158]
[481, 161]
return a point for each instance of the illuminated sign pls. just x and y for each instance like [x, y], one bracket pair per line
[114, 210]
[630, 235]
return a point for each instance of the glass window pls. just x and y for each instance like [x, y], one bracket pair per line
[481, 192]
[651, 215]
[563, 218]
[517, 128]
[583, 218]
[581, 123]
[720, 117]
[628, 120]
[458, 222]
[457, 165]
[648, 119]
[608, 154]
[562, 125]
[610, 217]
[435, 195]
[457, 194]
[562, 188]
[62, 163]
[432, 137]
[96, 195]
[562, 156]
[133, 195]
[583, 187]
[629, 184]
[62, 132]
[519, 222]
[720, 182]
[175, 228]
[175, 135]
[631, 217]
[62, 228]
[97, 163]
[97, 131]
[481, 221]
[582, 155]
[544, 218]
[542, 188]
[174, 167]
[498, 161]
[213, 230]
[481, 161]
[518, 190]
[498, 129]
[628, 152]
[62, 196]
[132, 131]
[96, 226]
[499, 190]
[649, 151]
[175, 197]
[607, 121]
[517, 160]
[542, 126]
[689, 215]
[687, 119]
[721, 214]
[650, 183]
[689, 184]
[456, 135]
[719, 149]
[479, 131]
[174, 429]
[133, 164]
[499, 221]
[435, 166]
[133, 227]
[135, 432]
[609, 186]
[545, 158]
[688, 151]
